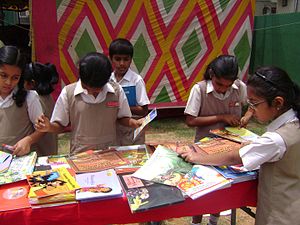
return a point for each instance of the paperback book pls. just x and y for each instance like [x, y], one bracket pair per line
[14, 196]
[217, 145]
[144, 195]
[235, 176]
[96, 160]
[98, 185]
[51, 162]
[147, 119]
[164, 166]
[236, 134]
[202, 180]
[136, 155]
[48, 183]
[19, 168]
[5, 160]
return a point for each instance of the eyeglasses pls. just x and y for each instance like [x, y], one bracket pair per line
[254, 105]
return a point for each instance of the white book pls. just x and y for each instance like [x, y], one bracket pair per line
[98, 185]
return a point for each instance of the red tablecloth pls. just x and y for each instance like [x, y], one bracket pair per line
[115, 211]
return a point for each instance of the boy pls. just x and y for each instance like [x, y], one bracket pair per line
[121, 53]
[92, 106]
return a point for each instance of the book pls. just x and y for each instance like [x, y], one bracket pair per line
[202, 180]
[14, 196]
[143, 195]
[19, 168]
[51, 162]
[96, 160]
[130, 92]
[5, 160]
[236, 134]
[137, 155]
[48, 183]
[217, 145]
[235, 176]
[98, 185]
[147, 119]
[164, 166]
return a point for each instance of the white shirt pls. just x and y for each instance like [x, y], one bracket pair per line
[61, 109]
[133, 79]
[194, 102]
[270, 147]
[32, 100]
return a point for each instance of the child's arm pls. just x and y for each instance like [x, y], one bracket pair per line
[139, 110]
[22, 147]
[232, 120]
[226, 158]
[245, 119]
[43, 124]
[130, 122]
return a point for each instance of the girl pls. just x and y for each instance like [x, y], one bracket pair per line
[42, 78]
[274, 98]
[217, 102]
[18, 108]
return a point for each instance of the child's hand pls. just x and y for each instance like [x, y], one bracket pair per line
[245, 119]
[42, 124]
[23, 146]
[190, 156]
[232, 120]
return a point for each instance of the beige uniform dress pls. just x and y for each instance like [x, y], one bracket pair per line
[279, 183]
[48, 143]
[93, 126]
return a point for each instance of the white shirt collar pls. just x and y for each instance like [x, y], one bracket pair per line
[210, 87]
[289, 115]
[79, 89]
[125, 77]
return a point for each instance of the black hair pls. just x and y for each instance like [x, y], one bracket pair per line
[120, 46]
[11, 55]
[95, 70]
[269, 82]
[224, 66]
[43, 75]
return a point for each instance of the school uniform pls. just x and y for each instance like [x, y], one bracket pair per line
[17, 122]
[48, 143]
[277, 153]
[125, 134]
[205, 101]
[93, 120]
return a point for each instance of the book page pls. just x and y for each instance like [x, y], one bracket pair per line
[147, 119]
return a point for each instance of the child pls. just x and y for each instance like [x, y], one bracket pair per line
[121, 53]
[92, 106]
[216, 102]
[18, 108]
[41, 78]
[274, 98]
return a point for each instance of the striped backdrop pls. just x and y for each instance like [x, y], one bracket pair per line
[173, 40]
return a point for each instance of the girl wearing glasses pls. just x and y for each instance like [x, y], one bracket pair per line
[42, 78]
[275, 99]
[216, 102]
[18, 108]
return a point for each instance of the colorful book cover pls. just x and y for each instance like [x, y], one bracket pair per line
[14, 196]
[98, 185]
[218, 145]
[137, 155]
[5, 160]
[19, 168]
[202, 180]
[130, 92]
[51, 162]
[236, 134]
[93, 161]
[147, 119]
[48, 183]
[164, 166]
[142, 195]
[237, 177]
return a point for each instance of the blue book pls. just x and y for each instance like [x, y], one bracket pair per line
[130, 94]
[237, 177]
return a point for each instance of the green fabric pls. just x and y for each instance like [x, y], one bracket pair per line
[276, 42]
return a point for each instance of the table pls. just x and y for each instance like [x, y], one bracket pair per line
[114, 211]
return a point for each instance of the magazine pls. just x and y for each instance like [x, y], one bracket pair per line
[164, 166]
[202, 180]
[236, 134]
[147, 119]
[144, 195]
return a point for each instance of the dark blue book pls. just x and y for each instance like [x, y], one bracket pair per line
[130, 94]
